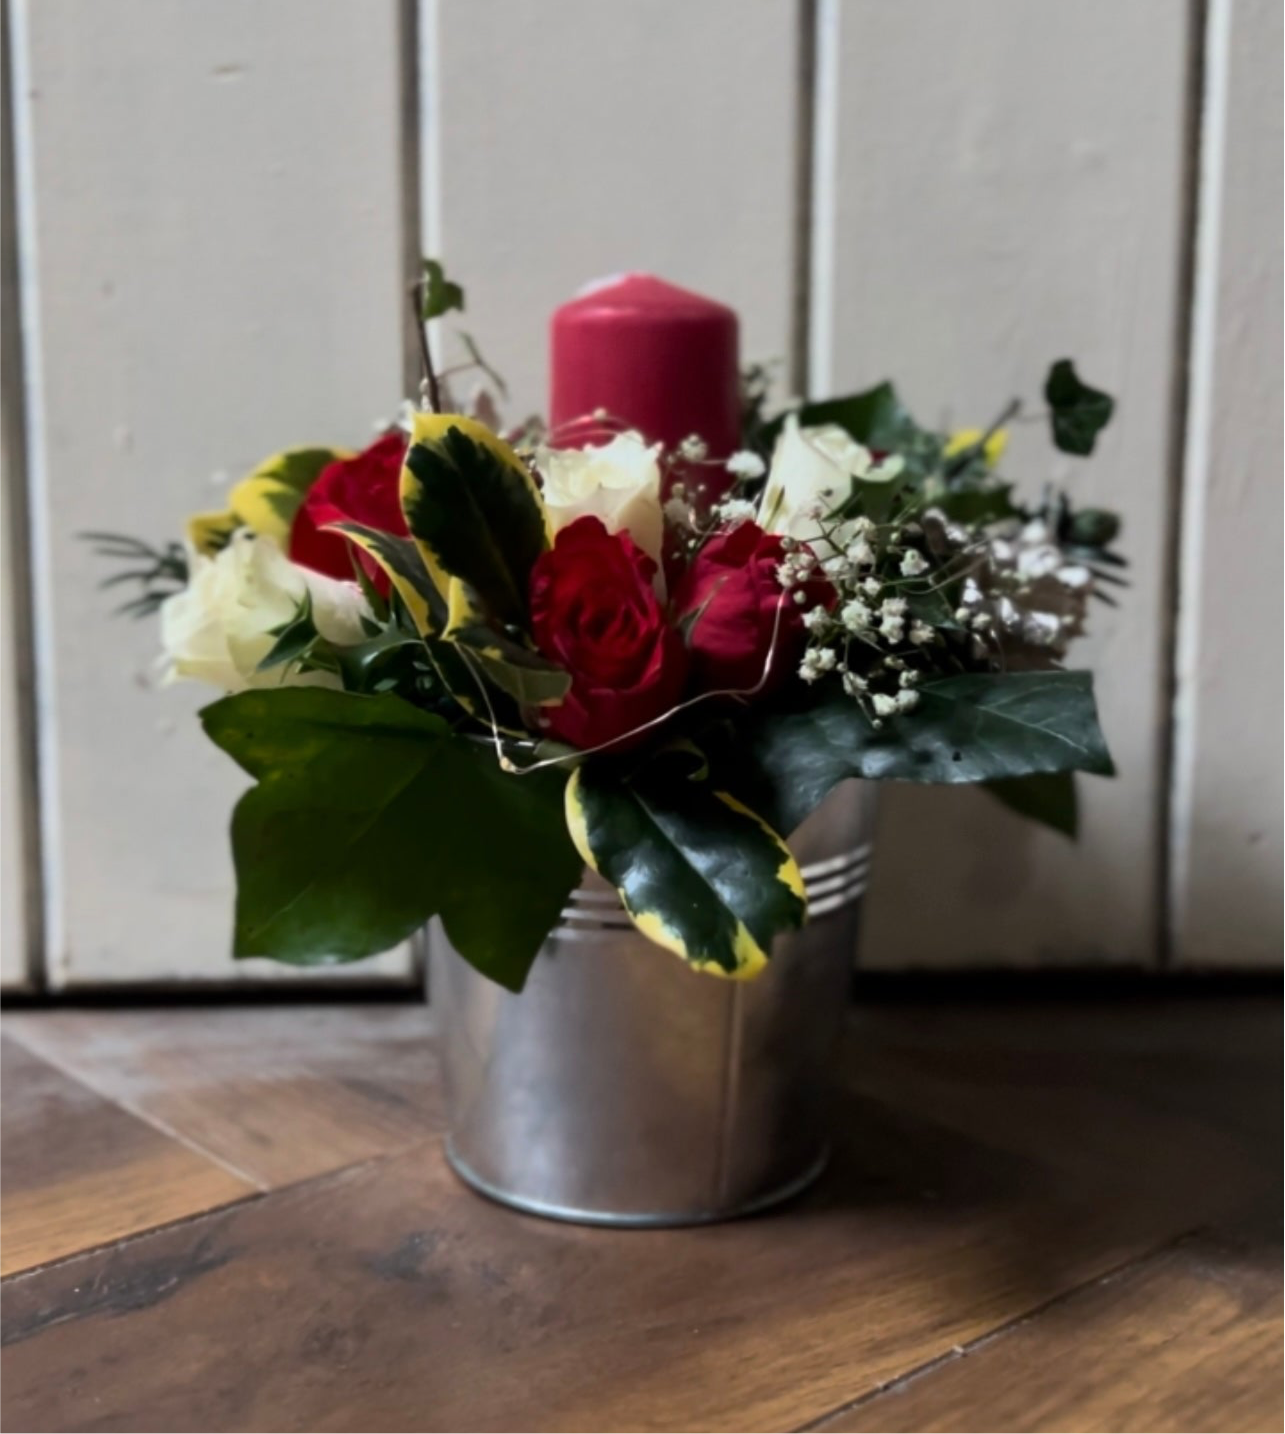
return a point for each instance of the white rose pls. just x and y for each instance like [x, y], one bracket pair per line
[812, 469]
[618, 482]
[219, 628]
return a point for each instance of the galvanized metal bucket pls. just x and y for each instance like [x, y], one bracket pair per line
[621, 1088]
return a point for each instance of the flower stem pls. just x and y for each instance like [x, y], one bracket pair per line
[425, 352]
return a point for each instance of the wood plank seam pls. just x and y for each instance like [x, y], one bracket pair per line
[253, 1197]
[122, 1242]
[139, 1113]
[1006, 1328]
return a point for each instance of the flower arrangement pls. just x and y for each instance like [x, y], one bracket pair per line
[462, 664]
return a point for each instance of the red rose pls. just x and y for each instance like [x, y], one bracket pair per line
[731, 594]
[362, 489]
[594, 611]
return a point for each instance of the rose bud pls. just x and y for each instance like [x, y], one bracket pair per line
[594, 611]
[728, 601]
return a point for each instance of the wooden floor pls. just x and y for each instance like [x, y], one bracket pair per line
[1048, 1215]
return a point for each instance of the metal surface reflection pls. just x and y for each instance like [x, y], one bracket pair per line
[622, 1088]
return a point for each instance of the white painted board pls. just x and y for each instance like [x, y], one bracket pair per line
[574, 140]
[14, 856]
[1227, 848]
[212, 227]
[999, 185]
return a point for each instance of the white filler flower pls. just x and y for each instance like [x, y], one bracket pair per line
[219, 628]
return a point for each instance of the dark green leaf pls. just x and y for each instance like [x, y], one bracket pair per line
[1045, 797]
[391, 657]
[1078, 413]
[931, 606]
[1091, 528]
[977, 727]
[293, 638]
[527, 677]
[874, 417]
[978, 505]
[474, 508]
[402, 564]
[369, 817]
[698, 873]
[440, 294]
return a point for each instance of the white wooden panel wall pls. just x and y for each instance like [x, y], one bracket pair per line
[1001, 183]
[212, 235]
[573, 139]
[15, 861]
[1227, 850]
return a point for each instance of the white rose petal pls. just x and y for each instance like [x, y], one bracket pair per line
[618, 482]
[219, 628]
[811, 468]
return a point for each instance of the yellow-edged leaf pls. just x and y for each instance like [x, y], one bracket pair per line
[475, 513]
[208, 533]
[699, 873]
[266, 500]
[400, 559]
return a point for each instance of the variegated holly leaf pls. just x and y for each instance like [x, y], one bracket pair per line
[475, 514]
[516, 669]
[267, 500]
[698, 873]
[370, 816]
[400, 559]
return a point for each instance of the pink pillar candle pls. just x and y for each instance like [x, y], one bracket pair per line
[657, 358]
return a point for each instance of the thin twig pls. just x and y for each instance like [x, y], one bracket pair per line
[425, 352]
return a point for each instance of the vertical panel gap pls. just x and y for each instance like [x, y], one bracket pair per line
[17, 541]
[804, 181]
[824, 20]
[409, 175]
[1187, 463]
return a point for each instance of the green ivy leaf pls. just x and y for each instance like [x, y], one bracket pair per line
[976, 727]
[440, 294]
[370, 816]
[1045, 797]
[1077, 412]
[698, 873]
